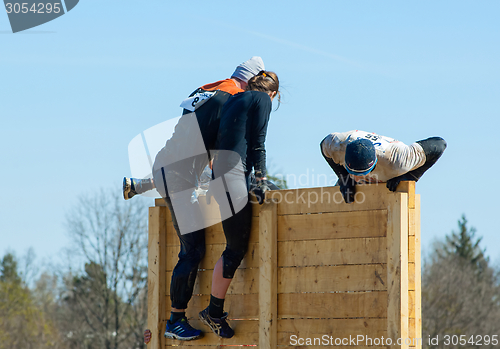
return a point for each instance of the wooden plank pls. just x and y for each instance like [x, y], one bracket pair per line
[337, 225]
[411, 222]
[332, 252]
[336, 328]
[409, 188]
[329, 199]
[246, 332]
[411, 328]
[411, 276]
[333, 305]
[213, 253]
[156, 275]
[414, 339]
[397, 268]
[239, 306]
[245, 281]
[368, 277]
[411, 301]
[255, 207]
[166, 303]
[160, 202]
[268, 280]
[411, 270]
[418, 274]
[411, 248]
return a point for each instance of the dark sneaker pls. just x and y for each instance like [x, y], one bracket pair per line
[181, 330]
[134, 186]
[219, 326]
[128, 188]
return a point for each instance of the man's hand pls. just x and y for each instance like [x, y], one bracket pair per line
[147, 336]
[348, 192]
[347, 188]
[393, 183]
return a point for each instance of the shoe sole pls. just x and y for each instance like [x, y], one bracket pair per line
[206, 323]
[174, 336]
[127, 186]
[210, 327]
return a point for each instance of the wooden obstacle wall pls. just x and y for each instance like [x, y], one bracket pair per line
[317, 269]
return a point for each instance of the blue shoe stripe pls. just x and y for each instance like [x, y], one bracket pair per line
[182, 330]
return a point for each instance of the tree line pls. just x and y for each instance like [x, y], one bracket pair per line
[98, 298]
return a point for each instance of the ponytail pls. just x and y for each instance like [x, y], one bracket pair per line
[265, 81]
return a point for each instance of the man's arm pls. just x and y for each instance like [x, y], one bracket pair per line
[347, 184]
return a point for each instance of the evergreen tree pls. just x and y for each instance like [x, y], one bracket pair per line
[460, 293]
[8, 270]
[22, 322]
[280, 182]
[465, 246]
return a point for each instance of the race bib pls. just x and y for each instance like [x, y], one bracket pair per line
[379, 142]
[197, 100]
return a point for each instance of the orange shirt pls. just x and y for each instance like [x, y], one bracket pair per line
[226, 85]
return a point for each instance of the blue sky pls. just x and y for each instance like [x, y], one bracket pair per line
[75, 91]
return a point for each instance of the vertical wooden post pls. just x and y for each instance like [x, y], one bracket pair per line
[397, 270]
[268, 279]
[157, 271]
[418, 274]
[414, 265]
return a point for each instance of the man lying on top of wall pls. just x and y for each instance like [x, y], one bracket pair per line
[359, 157]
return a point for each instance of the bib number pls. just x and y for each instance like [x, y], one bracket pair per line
[197, 100]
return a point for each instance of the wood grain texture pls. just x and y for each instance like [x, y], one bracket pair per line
[335, 225]
[268, 279]
[397, 268]
[332, 252]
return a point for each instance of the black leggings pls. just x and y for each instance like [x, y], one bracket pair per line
[192, 244]
[184, 274]
[433, 149]
[237, 231]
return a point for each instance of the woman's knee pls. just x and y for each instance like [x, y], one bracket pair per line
[231, 260]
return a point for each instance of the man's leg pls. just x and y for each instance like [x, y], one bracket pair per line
[134, 186]
[184, 273]
[433, 149]
[191, 252]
